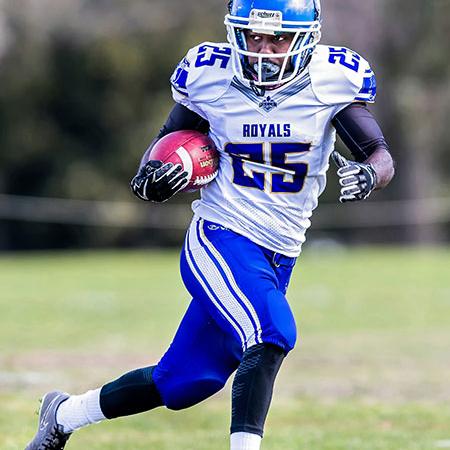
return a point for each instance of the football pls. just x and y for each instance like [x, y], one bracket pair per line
[196, 153]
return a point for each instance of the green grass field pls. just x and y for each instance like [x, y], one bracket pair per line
[371, 370]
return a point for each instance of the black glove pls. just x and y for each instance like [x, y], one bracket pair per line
[357, 180]
[158, 182]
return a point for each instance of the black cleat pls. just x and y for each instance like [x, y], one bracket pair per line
[50, 435]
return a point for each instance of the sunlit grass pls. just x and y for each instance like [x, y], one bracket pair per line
[370, 371]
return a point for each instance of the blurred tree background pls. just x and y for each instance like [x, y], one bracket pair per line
[84, 88]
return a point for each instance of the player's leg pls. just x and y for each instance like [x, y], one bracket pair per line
[246, 289]
[61, 414]
[261, 363]
[198, 363]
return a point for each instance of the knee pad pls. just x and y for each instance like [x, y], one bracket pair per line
[253, 387]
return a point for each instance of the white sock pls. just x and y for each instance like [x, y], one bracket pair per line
[245, 441]
[80, 410]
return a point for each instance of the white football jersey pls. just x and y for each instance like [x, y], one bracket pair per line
[274, 149]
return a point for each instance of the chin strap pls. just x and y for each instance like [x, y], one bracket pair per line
[269, 71]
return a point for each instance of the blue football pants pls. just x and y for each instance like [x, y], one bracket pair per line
[238, 300]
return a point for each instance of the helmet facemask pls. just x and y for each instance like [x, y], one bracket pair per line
[265, 72]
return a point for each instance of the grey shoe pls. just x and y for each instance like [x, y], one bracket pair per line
[50, 435]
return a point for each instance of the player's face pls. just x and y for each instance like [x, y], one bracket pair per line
[268, 44]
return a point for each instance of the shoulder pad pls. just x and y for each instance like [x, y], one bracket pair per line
[341, 76]
[204, 74]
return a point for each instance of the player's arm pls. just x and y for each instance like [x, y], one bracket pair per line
[154, 180]
[373, 167]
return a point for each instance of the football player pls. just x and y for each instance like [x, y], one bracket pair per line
[272, 99]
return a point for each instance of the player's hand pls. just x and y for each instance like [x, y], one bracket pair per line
[157, 182]
[357, 180]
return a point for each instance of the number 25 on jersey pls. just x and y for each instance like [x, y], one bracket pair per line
[275, 174]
